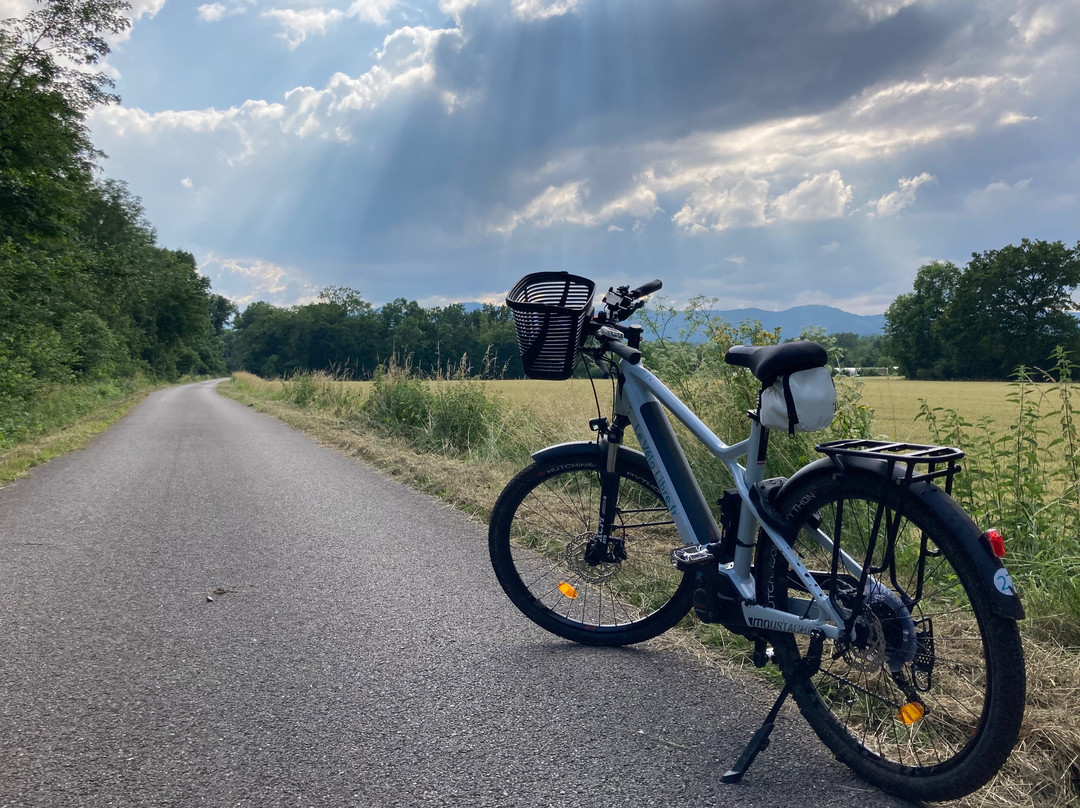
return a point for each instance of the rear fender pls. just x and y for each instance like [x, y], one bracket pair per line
[1004, 597]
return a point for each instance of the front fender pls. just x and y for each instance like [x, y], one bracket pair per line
[991, 571]
[587, 448]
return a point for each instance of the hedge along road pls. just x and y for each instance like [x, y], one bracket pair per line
[205, 608]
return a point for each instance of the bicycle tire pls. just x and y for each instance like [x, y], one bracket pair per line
[540, 527]
[966, 661]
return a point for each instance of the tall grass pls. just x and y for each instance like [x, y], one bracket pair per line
[460, 419]
[452, 413]
[55, 406]
[1024, 478]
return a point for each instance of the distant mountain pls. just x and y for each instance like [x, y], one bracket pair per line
[791, 322]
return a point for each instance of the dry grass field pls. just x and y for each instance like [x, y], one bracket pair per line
[895, 401]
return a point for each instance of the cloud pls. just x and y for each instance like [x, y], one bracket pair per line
[372, 11]
[237, 130]
[298, 25]
[423, 147]
[724, 178]
[259, 279]
[1035, 22]
[405, 63]
[877, 10]
[892, 203]
[995, 196]
[565, 204]
[211, 12]
[638, 203]
[746, 203]
[722, 206]
[145, 8]
[187, 183]
[824, 196]
[456, 9]
[1012, 118]
[542, 9]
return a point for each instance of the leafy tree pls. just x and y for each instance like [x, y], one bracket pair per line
[84, 291]
[343, 333]
[916, 333]
[1012, 307]
[46, 87]
[1007, 308]
[53, 49]
[348, 298]
[861, 351]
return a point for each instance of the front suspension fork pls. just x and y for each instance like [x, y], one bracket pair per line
[604, 547]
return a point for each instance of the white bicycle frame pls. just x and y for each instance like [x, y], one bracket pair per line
[640, 396]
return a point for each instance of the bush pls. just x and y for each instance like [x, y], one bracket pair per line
[453, 416]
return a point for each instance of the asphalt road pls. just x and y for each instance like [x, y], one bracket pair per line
[356, 651]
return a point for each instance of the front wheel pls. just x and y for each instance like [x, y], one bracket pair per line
[544, 550]
[925, 699]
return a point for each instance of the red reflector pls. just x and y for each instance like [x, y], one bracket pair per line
[996, 542]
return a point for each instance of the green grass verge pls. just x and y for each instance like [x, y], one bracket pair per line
[63, 418]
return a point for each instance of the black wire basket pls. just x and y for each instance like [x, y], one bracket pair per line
[550, 311]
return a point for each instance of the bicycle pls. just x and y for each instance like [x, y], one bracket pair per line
[887, 610]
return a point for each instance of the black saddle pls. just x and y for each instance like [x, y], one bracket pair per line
[770, 362]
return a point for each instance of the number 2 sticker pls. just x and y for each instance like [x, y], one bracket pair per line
[1004, 582]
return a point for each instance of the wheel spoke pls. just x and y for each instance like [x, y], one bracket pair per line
[931, 649]
[545, 535]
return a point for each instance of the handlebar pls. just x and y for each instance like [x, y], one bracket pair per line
[647, 288]
[624, 301]
[619, 304]
[612, 339]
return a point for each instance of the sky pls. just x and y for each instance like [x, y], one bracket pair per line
[767, 153]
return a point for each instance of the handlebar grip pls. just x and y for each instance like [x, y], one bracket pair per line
[646, 288]
[631, 355]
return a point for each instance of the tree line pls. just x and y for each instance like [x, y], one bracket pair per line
[344, 334]
[1006, 309]
[85, 291]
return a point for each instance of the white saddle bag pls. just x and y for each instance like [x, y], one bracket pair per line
[804, 401]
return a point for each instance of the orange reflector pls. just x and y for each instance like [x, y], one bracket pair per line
[567, 590]
[996, 542]
[912, 712]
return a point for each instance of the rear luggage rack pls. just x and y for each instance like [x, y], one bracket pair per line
[910, 454]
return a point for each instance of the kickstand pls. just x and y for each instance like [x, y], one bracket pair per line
[806, 668]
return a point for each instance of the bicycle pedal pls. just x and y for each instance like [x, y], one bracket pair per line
[689, 557]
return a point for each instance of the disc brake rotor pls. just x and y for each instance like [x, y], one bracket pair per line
[867, 651]
[575, 560]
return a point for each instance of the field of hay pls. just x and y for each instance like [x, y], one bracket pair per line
[896, 401]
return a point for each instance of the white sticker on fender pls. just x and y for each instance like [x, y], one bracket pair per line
[1004, 582]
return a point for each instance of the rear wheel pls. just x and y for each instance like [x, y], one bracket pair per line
[925, 700]
[544, 550]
